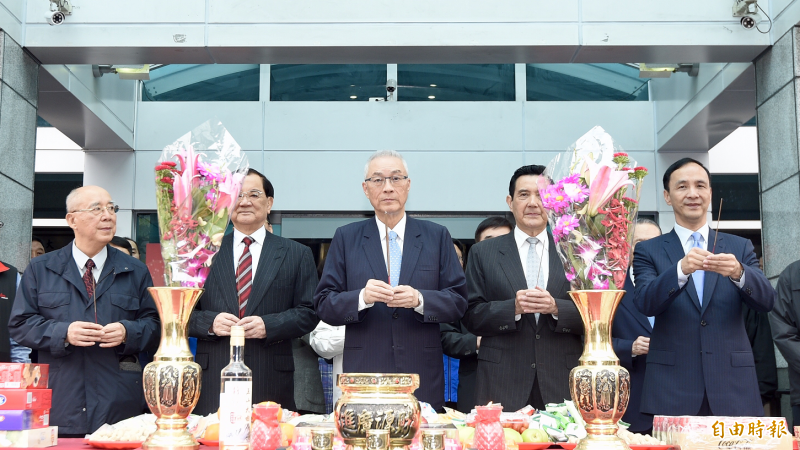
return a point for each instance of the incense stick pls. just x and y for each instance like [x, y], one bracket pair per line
[716, 233]
[388, 256]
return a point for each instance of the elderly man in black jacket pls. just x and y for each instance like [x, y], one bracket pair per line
[785, 322]
[87, 311]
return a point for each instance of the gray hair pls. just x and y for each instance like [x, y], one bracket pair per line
[382, 154]
[646, 221]
[71, 199]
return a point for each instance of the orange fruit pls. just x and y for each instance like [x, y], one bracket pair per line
[287, 430]
[212, 432]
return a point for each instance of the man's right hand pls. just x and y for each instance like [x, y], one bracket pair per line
[378, 291]
[223, 323]
[84, 334]
[693, 260]
[641, 346]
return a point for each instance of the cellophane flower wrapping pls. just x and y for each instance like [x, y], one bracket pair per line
[198, 178]
[591, 196]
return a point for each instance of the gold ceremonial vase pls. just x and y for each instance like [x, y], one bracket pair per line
[599, 386]
[172, 380]
[377, 401]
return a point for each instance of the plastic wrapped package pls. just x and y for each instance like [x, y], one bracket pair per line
[721, 433]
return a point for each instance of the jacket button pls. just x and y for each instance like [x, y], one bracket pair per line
[703, 323]
[395, 315]
[537, 336]
[533, 366]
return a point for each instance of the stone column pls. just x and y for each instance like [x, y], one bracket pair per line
[19, 91]
[777, 104]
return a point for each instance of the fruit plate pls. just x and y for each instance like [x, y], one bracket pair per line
[567, 445]
[534, 445]
[115, 445]
[208, 442]
[652, 447]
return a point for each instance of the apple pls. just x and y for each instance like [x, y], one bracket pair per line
[465, 436]
[535, 435]
[512, 435]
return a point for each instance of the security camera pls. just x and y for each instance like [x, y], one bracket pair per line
[748, 22]
[56, 18]
[59, 10]
[391, 86]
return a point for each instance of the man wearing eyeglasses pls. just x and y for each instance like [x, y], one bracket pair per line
[263, 283]
[87, 311]
[392, 295]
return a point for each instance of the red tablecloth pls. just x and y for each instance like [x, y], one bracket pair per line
[77, 444]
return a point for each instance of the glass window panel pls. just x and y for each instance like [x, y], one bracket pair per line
[50, 190]
[455, 82]
[740, 194]
[326, 82]
[203, 83]
[585, 82]
[41, 122]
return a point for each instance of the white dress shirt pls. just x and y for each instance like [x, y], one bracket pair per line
[328, 342]
[98, 259]
[255, 247]
[685, 235]
[542, 249]
[400, 229]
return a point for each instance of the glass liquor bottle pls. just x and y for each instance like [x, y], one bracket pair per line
[236, 397]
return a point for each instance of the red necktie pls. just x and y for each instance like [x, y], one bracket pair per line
[244, 275]
[88, 278]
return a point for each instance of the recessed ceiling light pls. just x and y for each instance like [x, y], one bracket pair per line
[431, 97]
[353, 96]
[433, 85]
[352, 85]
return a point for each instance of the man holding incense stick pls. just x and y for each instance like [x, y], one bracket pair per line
[391, 280]
[518, 303]
[694, 281]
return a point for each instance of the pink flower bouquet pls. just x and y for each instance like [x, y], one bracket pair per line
[591, 196]
[195, 195]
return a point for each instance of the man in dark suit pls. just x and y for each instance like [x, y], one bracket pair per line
[518, 303]
[392, 316]
[459, 343]
[694, 281]
[631, 338]
[263, 283]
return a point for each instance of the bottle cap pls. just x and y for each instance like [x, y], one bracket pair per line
[237, 335]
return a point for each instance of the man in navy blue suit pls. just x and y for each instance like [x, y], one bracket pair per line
[631, 338]
[694, 281]
[392, 316]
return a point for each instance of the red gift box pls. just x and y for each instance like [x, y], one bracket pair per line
[24, 376]
[19, 399]
[24, 420]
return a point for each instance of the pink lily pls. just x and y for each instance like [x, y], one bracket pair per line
[603, 182]
[229, 191]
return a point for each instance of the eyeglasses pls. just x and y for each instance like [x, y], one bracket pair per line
[97, 210]
[395, 180]
[251, 195]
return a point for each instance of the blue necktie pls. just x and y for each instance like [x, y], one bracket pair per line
[395, 259]
[534, 267]
[699, 275]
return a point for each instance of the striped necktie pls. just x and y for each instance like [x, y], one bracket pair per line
[244, 275]
[88, 278]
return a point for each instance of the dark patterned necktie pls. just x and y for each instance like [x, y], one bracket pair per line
[88, 278]
[244, 275]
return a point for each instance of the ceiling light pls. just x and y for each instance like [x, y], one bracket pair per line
[666, 70]
[353, 96]
[431, 97]
[135, 72]
[433, 85]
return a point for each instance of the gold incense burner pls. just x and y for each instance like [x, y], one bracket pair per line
[599, 386]
[172, 381]
[377, 401]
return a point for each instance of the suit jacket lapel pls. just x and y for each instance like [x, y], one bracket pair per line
[674, 248]
[710, 279]
[107, 275]
[272, 253]
[373, 251]
[223, 261]
[412, 246]
[511, 264]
